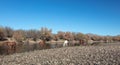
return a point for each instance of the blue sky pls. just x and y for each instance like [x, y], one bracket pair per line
[100, 17]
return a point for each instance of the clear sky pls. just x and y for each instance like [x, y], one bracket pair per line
[87, 16]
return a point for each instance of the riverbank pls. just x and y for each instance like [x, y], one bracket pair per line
[85, 55]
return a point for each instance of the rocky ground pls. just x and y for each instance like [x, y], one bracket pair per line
[79, 55]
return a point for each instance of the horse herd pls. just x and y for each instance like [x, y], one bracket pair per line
[9, 47]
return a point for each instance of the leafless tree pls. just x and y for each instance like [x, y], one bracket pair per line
[45, 34]
[19, 35]
[8, 32]
[61, 34]
[79, 36]
[33, 34]
[2, 35]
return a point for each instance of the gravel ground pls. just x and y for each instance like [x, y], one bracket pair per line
[79, 55]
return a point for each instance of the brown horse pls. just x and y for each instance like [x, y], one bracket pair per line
[7, 47]
[42, 44]
[3, 48]
[11, 47]
[81, 42]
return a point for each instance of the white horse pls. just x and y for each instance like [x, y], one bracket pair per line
[65, 43]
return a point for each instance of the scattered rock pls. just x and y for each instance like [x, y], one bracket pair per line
[79, 55]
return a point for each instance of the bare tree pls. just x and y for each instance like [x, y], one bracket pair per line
[8, 32]
[33, 34]
[69, 36]
[61, 34]
[45, 34]
[116, 38]
[2, 35]
[79, 36]
[55, 37]
[19, 35]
